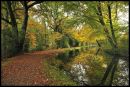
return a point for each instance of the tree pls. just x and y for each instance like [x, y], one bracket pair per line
[25, 21]
[25, 7]
[104, 25]
[13, 24]
[54, 18]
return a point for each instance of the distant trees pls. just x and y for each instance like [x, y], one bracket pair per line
[55, 18]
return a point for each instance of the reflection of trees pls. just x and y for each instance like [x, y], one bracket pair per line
[97, 64]
[111, 68]
[79, 74]
[88, 59]
[121, 77]
[97, 51]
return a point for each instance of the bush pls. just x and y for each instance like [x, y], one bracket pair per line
[7, 43]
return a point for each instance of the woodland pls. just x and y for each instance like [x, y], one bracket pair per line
[64, 43]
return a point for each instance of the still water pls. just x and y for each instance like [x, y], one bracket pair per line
[94, 67]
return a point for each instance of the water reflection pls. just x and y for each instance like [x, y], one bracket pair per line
[93, 67]
[79, 73]
[110, 70]
[65, 57]
[121, 77]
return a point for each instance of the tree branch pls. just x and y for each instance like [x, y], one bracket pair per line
[18, 9]
[7, 21]
[4, 7]
[34, 3]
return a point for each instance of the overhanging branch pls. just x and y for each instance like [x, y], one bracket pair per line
[7, 21]
[34, 3]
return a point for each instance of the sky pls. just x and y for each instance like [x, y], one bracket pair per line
[124, 17]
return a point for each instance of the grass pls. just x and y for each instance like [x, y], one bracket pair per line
[56, 75]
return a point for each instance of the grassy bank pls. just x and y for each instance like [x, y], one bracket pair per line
[56, 75]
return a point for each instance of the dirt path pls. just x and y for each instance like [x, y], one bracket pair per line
[26, 69]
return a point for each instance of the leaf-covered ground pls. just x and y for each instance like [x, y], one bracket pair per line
[32, 69]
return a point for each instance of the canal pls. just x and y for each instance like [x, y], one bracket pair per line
[92, 67]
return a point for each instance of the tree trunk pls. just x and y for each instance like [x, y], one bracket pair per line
[14, 25]
[104, 26]
[24, 26]
[111, 25]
